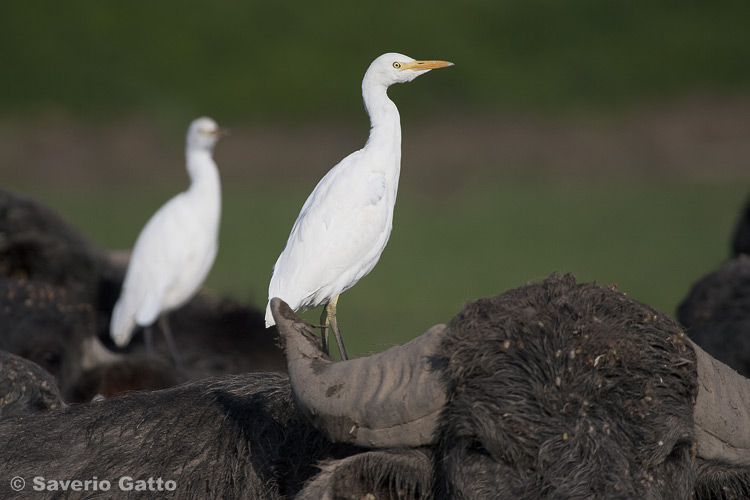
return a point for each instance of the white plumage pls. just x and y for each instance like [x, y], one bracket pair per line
[177, 247]
[345, 223]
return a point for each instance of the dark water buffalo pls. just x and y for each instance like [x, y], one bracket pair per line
[43, 323]
[716, 313]
[554, 390]
[36, 243]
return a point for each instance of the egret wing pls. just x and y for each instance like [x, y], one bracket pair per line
[342, 221]
[158, 255]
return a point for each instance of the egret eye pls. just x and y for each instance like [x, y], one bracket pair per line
[397, 65]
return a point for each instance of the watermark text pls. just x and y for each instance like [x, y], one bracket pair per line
[124, 483]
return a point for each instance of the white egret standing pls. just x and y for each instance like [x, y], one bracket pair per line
[345, 223]
[176, 248]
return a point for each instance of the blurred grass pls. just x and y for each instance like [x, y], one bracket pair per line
[292, 60]
[654, 239]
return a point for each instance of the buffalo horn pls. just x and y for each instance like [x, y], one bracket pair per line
[722, 412]
[389, 399]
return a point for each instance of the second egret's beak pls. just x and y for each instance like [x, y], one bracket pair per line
[425, 65]
[220, 132]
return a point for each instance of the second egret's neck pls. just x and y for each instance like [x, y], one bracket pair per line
[204, 175]
[385, 123]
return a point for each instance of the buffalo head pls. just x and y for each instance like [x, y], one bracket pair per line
[552, 390]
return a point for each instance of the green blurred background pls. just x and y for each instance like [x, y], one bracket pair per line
[610, 139]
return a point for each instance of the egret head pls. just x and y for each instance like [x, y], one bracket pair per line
[203, 134]
[397, 68]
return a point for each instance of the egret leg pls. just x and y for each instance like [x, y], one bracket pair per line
[164, 327]
[324, 337]
[334, 324]
[148, 337]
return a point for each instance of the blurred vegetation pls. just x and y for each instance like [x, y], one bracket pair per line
[291, 60]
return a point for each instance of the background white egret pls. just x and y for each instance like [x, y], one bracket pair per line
[177, 247]
[345, 223]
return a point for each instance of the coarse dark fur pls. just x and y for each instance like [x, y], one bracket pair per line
[716, 481]
[556, 390]
[238, 437]
[716, 313]
[565, 390]
[25, 387]
[383, 474]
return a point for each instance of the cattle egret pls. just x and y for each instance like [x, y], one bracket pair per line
[345, 223]
[177, 247]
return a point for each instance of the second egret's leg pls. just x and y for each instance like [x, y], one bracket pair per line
[164, 327]
[334, 324]
[148, 337]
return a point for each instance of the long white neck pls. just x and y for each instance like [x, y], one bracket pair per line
[385, 128]
[204, 181]
[201, 167]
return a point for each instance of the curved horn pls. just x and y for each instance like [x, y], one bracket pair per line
[722, 411]
[389, 399]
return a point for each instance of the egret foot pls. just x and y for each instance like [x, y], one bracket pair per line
[148, 338]
[324, 334]
[339, 340]
[171, 344]
[328, 318]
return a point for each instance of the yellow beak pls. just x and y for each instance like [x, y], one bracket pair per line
[219, 132]
[425, 65]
